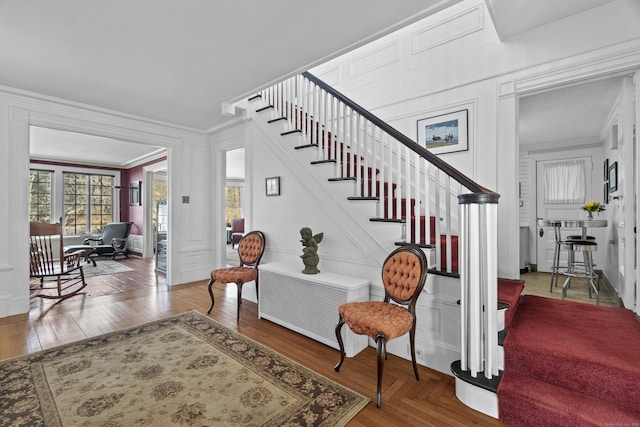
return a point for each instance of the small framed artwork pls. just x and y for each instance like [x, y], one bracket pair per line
[134, 193]
[273, 186]
[613, 177]
[446, 133]
[606, 181]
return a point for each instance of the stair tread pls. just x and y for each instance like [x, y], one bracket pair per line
[550, 405]
[591, 345]
[509, 291]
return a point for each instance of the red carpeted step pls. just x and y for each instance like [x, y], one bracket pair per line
[388, 189]
[432, 241]
[580, 347]
[509, 292]
[394, 208]
[525, 401]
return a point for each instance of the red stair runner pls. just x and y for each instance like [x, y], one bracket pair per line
[509, 292]
[569, 363]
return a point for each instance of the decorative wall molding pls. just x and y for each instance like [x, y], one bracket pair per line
[382, 56]
[459, 25]
[331, 76]
[619, 59]
[562, 145]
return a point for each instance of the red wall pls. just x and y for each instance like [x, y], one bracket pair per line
[133, 213]
[127, 176]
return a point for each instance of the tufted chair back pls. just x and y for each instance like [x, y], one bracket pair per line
[403, 275]
[251, 248]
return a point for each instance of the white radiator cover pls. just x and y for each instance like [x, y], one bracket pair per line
[308, 303]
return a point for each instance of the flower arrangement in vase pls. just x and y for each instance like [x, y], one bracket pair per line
[592, 207]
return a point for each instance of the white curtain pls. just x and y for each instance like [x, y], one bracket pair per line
[565, 181]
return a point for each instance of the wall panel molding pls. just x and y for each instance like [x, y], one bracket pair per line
[381, 57]
[459, 25]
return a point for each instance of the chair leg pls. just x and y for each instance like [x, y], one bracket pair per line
[211, 295]
[412, 341]
[381, 342]
[239, 284]
[257, 289]
[340, 343]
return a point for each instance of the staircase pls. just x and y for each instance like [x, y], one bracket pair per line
[532, 361]
[564, 364]
[570, 364]
[411, 186]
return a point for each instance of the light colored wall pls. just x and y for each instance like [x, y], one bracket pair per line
[455, 59]
[189, 244]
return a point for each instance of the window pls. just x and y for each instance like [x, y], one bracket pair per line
[565, 181]
[234, 210]
[40, 195]
[88, 202]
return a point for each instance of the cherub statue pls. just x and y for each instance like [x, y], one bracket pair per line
[309, 255]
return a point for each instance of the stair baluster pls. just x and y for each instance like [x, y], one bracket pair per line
[413, 187]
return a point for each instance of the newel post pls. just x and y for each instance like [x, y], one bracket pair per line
[479, 283]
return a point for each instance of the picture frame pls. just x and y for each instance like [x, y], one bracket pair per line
[613, 177]
[606, 181]
[272, 186]
[135, 189]
[445, 133]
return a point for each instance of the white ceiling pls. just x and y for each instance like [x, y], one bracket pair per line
[62, 146]
[571, 115]
[177, 62]
[514, 17]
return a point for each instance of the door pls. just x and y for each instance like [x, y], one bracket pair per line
[625, 197]
[546, 237]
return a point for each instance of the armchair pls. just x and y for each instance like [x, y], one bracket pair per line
[113, 240]
[237, 231]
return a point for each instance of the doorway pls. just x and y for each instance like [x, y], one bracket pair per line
[559, 124]
[564, 202]
[101, 159]
[235, 195]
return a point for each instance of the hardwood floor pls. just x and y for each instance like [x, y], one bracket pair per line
[142, 296]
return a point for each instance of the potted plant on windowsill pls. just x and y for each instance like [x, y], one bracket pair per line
[592, 207]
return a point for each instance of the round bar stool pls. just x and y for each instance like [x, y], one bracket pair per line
[579, 237]
[582, 270]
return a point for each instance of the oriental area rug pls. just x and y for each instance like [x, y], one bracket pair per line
[185, 370]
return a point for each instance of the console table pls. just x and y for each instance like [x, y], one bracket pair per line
[308, 303]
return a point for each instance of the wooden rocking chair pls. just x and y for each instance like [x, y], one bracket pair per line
[49, 260]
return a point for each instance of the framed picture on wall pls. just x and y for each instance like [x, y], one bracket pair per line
[446, 133]
[273, 186]
[613, 177]
[134, 193]
[606, 181]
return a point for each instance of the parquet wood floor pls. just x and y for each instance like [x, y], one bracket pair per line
[127, 299]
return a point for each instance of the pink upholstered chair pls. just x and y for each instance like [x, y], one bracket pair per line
[404, 274]
[250, 250]
[237, 231]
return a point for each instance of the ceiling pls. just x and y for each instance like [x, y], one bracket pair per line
[514, 17]
[572, 115]
[177, 62]
[162, 61]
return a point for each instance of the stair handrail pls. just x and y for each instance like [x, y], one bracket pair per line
[478, 213]
[458, 176]
[478, 255]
